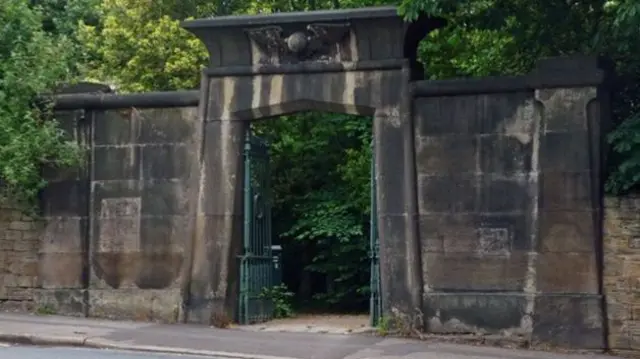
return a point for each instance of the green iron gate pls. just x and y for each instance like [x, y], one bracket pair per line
[375, 303]
[256, 261]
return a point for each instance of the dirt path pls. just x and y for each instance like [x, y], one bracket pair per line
[315, 323]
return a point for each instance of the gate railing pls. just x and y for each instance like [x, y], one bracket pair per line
[256, 261]
[375, 303]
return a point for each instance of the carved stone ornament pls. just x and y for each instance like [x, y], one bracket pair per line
[318, 42]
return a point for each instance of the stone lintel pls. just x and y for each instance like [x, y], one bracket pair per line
[327, 36]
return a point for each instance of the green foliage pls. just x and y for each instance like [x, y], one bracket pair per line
[493, 37]
[46, 310]
[321, 192]
[282, 300]
[384, 326]
[139, 45]
[32, 61]
[625, 140]
[619, 37]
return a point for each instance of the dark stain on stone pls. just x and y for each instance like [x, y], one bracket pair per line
[492, 312]
[158, 270]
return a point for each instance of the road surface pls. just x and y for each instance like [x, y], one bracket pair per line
[32, 352]
[227, 343]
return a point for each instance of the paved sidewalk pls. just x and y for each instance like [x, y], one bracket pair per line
[234, 343]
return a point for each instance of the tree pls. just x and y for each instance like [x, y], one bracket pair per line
[138, 45]
[34, 58]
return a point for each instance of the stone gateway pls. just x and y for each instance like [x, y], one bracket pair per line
[488, 198]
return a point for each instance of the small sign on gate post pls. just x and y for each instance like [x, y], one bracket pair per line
[276, 251]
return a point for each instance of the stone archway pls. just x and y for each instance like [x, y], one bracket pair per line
[351, 61]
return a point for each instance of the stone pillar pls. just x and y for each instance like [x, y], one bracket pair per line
[218, 235]
[569, 306]
[397, 210]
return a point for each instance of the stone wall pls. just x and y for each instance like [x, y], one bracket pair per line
[19, 243]
[477, 186]
[114, 239]
[506, 177]
[622, 272]
[142, 189]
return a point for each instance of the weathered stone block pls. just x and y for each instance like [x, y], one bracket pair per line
[447, 194]
[565, 109]
[117, 235]
[395, 165]
[62, 270]
[64, 234]
[619, 342]
[446, 154]
[19, 294]
[6, 245]
[23, 245]
[167, 161]
[228, 198]
[115, 127]
[461, 232]
[474, 313]
[166, 197]
[116, 163]
[166, 233]
[116, 270]
[448, 233]
[10, 280]
[571, 145]
[613, 265]
[505, 195]
[71, 302]
[624, 227]
[633, 243]
[113, 190]
[564, 231]
[29, 268]
[65, 198]
[160, 270]
[572, 320]
[480, 114]
[567, 191]
[26, 281]
[619, 311]
[16, 306]
[166, 125]
[22, 226]
[135, 304]
[506, 154]
[12, 235]
[459, 272]
[582, 266]
[68, 122]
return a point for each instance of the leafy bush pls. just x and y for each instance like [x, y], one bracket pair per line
[281, 298]
[32, 61]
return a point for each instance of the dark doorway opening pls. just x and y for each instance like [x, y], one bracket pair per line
[320, 197]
